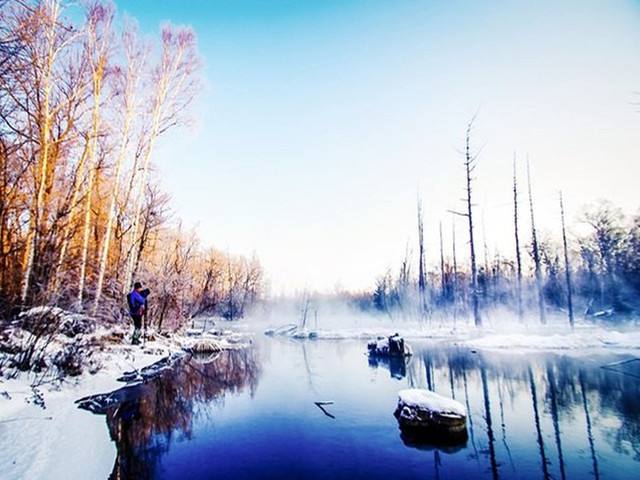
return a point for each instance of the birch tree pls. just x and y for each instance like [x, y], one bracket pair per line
[127, 81]
[174, 82]
[98, 40]
[47, 45]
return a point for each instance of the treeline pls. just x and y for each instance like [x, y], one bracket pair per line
[595, 272]
[83, 103]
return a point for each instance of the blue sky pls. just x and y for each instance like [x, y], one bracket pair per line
[319, 121]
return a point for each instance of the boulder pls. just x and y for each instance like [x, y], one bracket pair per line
[423, 412]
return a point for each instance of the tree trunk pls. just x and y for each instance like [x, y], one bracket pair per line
[517, 242]
[567, 266]
[134, 63]
[168, 68]
[469, 164]
[422, 283]
[442, 276]
[536, 253]
[96, 43]
[454, 285]
[42, 168]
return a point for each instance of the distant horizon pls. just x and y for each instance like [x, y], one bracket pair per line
[320, 122]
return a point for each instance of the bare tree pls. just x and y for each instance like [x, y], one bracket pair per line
[48, 42]
[422, 273]
[442, 274]
[470, 162]
[127, 83]
[535, 252]
[454, 285]
[516, 235]
[174, 82]
[98, 35]
[567, 266]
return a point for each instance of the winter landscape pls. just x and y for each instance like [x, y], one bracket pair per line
[319, 239]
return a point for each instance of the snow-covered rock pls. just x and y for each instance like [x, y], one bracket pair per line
[393, 346]
[420, 409]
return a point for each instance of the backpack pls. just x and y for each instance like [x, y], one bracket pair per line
[129, 302]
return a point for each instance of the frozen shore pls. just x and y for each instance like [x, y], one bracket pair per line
[552, 337]
[43, 433]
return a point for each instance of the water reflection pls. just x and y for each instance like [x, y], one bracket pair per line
[534, 415]
[563, 393]
[397, 366]
[148, 416]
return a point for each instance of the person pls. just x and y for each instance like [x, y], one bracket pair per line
[137, 302]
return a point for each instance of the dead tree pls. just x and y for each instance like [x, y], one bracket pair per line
[470, 162]
[567, 267]
[442, 275]
[422, 281]
[536, 252]
[517, 241]
[454, 285]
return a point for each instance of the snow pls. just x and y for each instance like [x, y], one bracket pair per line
[62, 441]
[381, 346]
[520, 337]
[431, 401]
[572, 340]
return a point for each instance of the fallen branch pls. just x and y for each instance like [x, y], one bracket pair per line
[320, 405]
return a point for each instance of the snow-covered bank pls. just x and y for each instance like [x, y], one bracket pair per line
[571, 340]
[43, 433]
[55, 439]
[552, 337]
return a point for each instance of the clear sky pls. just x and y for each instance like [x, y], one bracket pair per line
[320, 120]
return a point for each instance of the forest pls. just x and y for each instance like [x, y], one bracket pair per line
[591, 274]
[84, 100]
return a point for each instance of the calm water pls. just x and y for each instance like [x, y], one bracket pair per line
[251, 414]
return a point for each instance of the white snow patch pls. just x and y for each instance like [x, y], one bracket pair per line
[431, 401]
[61, 441]
[572, 340]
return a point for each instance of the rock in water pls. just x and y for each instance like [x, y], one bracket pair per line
[423, 412]
[393, 346]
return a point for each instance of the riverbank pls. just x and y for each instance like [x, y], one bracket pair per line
[43, 432]
[45, 435]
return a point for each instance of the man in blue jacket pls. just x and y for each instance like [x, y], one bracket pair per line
[137, 301]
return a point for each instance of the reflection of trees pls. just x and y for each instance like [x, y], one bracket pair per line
[567, 390]
[149, 415]
[397, 365]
